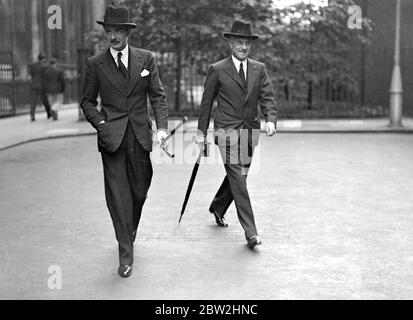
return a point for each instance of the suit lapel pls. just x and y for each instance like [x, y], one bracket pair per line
[136, 67]
[252, 72]
[108, 67]
[230, 69]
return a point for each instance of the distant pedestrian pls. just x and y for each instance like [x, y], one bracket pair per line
[239, 85]
[36, 71]
[54, 83]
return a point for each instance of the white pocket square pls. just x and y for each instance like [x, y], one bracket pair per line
[144, 73]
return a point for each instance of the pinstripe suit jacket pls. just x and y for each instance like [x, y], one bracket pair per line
[123, 100]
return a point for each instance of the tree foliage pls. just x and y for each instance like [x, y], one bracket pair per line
[319, 45]
[302, 45]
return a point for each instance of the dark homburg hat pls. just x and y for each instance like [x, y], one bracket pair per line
[117, 16]
[241, 29]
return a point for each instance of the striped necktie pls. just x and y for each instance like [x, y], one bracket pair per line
[121, 66]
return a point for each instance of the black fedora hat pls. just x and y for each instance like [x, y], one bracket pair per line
[117, 16]
[240, 29]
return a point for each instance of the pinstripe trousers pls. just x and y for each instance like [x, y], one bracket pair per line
[128, 175]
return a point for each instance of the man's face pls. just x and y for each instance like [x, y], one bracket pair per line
[240, 47]
[117, 37]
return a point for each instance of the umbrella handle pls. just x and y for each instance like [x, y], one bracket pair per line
[206, 149]
[171, 155]
[204, 152]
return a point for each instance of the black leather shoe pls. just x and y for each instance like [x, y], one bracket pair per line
[253, 241]
[125, 270]
[221, 222]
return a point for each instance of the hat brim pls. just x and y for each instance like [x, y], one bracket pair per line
[241, 35]
[126, 24]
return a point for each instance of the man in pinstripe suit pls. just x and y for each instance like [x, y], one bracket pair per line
[124, 77]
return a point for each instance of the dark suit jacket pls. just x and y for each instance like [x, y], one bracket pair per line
[124, 101]
[36, 71]
[237, 107]
[54, 80]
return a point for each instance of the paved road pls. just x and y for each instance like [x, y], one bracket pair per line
[334, 212]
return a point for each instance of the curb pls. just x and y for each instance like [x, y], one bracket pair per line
[407, 131]
[317, 131]
[47, 138]
[80, 134]
[194, 129]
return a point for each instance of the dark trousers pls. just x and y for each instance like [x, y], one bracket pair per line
[38, 92]
[128, 175]
[237, 160]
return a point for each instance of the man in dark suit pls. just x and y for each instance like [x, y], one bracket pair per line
[36, 71]
[54, 84]
[239, 84]
[125, 77]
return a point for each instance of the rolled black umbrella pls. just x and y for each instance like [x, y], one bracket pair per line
[203, 153]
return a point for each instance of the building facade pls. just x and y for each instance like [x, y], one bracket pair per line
[31, 27]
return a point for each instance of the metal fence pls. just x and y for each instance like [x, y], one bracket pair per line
[7, 84]
[296, 97]
[191, 83]
[23, 98]
[15, 97]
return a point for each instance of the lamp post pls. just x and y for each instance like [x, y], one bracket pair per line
[81, 60]
[12, 78]
[396, 89]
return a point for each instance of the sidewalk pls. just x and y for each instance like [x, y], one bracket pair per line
[18, 130]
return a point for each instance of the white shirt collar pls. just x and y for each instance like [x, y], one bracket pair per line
[238, 62]
[124, 57]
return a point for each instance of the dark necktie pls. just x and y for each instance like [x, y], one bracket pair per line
[121, 66]
[242, 74]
